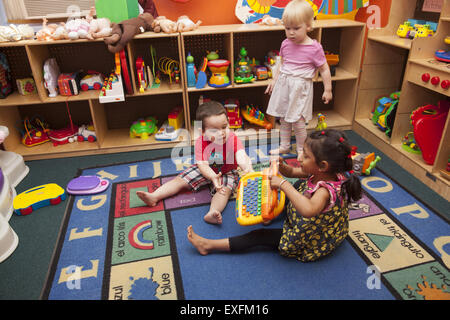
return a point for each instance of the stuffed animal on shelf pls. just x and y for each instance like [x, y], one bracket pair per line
[77, 28]
[186, 24]
[162, 24]
[124, 31]
[45, 34]
[98, 28]
[16, 32]
[271, 21]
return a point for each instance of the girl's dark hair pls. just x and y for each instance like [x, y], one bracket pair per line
[332, 146]
[208, 109]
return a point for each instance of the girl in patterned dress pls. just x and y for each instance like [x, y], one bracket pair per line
[317, 211]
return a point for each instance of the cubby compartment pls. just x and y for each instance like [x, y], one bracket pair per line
[114, 120]
[54, 116]
[20, 68]
[70, 57]
[166, 56]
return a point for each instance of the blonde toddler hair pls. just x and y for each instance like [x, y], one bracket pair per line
[297, 12]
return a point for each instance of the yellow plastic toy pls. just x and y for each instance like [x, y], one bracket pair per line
[321, 124]
[256, 201]
[38, 197]
[255, 116]
[424, 31]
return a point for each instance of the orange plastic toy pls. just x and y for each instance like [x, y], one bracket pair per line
[256, 201]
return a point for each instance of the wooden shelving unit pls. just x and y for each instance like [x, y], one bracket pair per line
[394, 64]
[112, 120]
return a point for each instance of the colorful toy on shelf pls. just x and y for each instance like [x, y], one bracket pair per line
[409, 143]
[424, 31]
[255, 116]
[384, 112]
[428, 122]
[5, 77]
[69, 83]
[170, 130]
[64, 135]
[190, 71]
[26, 86]
[442, 55]
[201, 75]
[143, 128]
[333, 61]
[85, 185]
[125, 74]
[112, 89]
[51, 74]
[261, 73]
[243, 72]
[92, 81]
[446, 172]
[256, 201]
[176, 118]
[321, 124]
[233, 113]
[363, 163]
[86, 133]
[34, 132]
[170, 67]
[153, 74]
[219, 77]
[142, 75]
[413, 28]
[38, 197]
[404, 30]
[272, 62]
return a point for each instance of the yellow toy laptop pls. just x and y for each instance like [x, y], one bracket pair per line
[256, 201]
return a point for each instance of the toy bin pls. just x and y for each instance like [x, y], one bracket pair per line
[7, 194]
[8, 239]
[13, 167]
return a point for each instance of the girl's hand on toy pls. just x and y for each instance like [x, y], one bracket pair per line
[327, 96]
[275, 181]
[283, 167]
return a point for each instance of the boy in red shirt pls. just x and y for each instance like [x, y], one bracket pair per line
[218, 153]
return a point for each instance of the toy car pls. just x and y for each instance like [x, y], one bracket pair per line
[38, 197]
[143, 128]
[233, 113]
[92, 81]
[86, 133]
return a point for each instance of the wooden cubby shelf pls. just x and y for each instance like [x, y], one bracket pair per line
[395, 64]
[112, 120]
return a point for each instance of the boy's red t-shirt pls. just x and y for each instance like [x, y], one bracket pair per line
[221, 158]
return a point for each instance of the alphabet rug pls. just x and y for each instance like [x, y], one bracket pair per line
[112, 246]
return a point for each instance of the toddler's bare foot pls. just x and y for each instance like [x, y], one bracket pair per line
[200, 243]
[148, 198]
[279, 151]
[214, 217]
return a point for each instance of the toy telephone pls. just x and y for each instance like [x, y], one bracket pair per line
[256, 201]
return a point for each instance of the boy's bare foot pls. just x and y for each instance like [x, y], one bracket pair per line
[279, 151]
[148, 198]
[214, 217]
[200, 243]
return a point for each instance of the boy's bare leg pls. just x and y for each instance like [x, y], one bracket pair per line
[218, 203]
[166, 190]
[205, 246]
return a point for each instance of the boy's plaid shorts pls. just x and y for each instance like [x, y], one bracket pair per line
[196, 180]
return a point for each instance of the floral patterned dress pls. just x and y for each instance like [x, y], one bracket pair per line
[308, 239]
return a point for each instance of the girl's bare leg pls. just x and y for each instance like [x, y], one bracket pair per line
[206, 246]
[166, 190]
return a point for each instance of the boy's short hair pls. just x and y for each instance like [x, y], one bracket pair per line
[209, 109]
[297, 12]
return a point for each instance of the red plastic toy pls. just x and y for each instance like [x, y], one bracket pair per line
[428, 123]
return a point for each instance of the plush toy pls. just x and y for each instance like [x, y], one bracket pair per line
[16, 33]
[45, 34]
[4, 132]
[98, 28]
[124, 31]
[77, 28]
[186, 24]
[60, 32]
[271, 21]
[163, 24]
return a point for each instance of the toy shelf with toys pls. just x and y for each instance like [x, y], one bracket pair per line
[256, 46]
[419, 138]
[157, 91]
